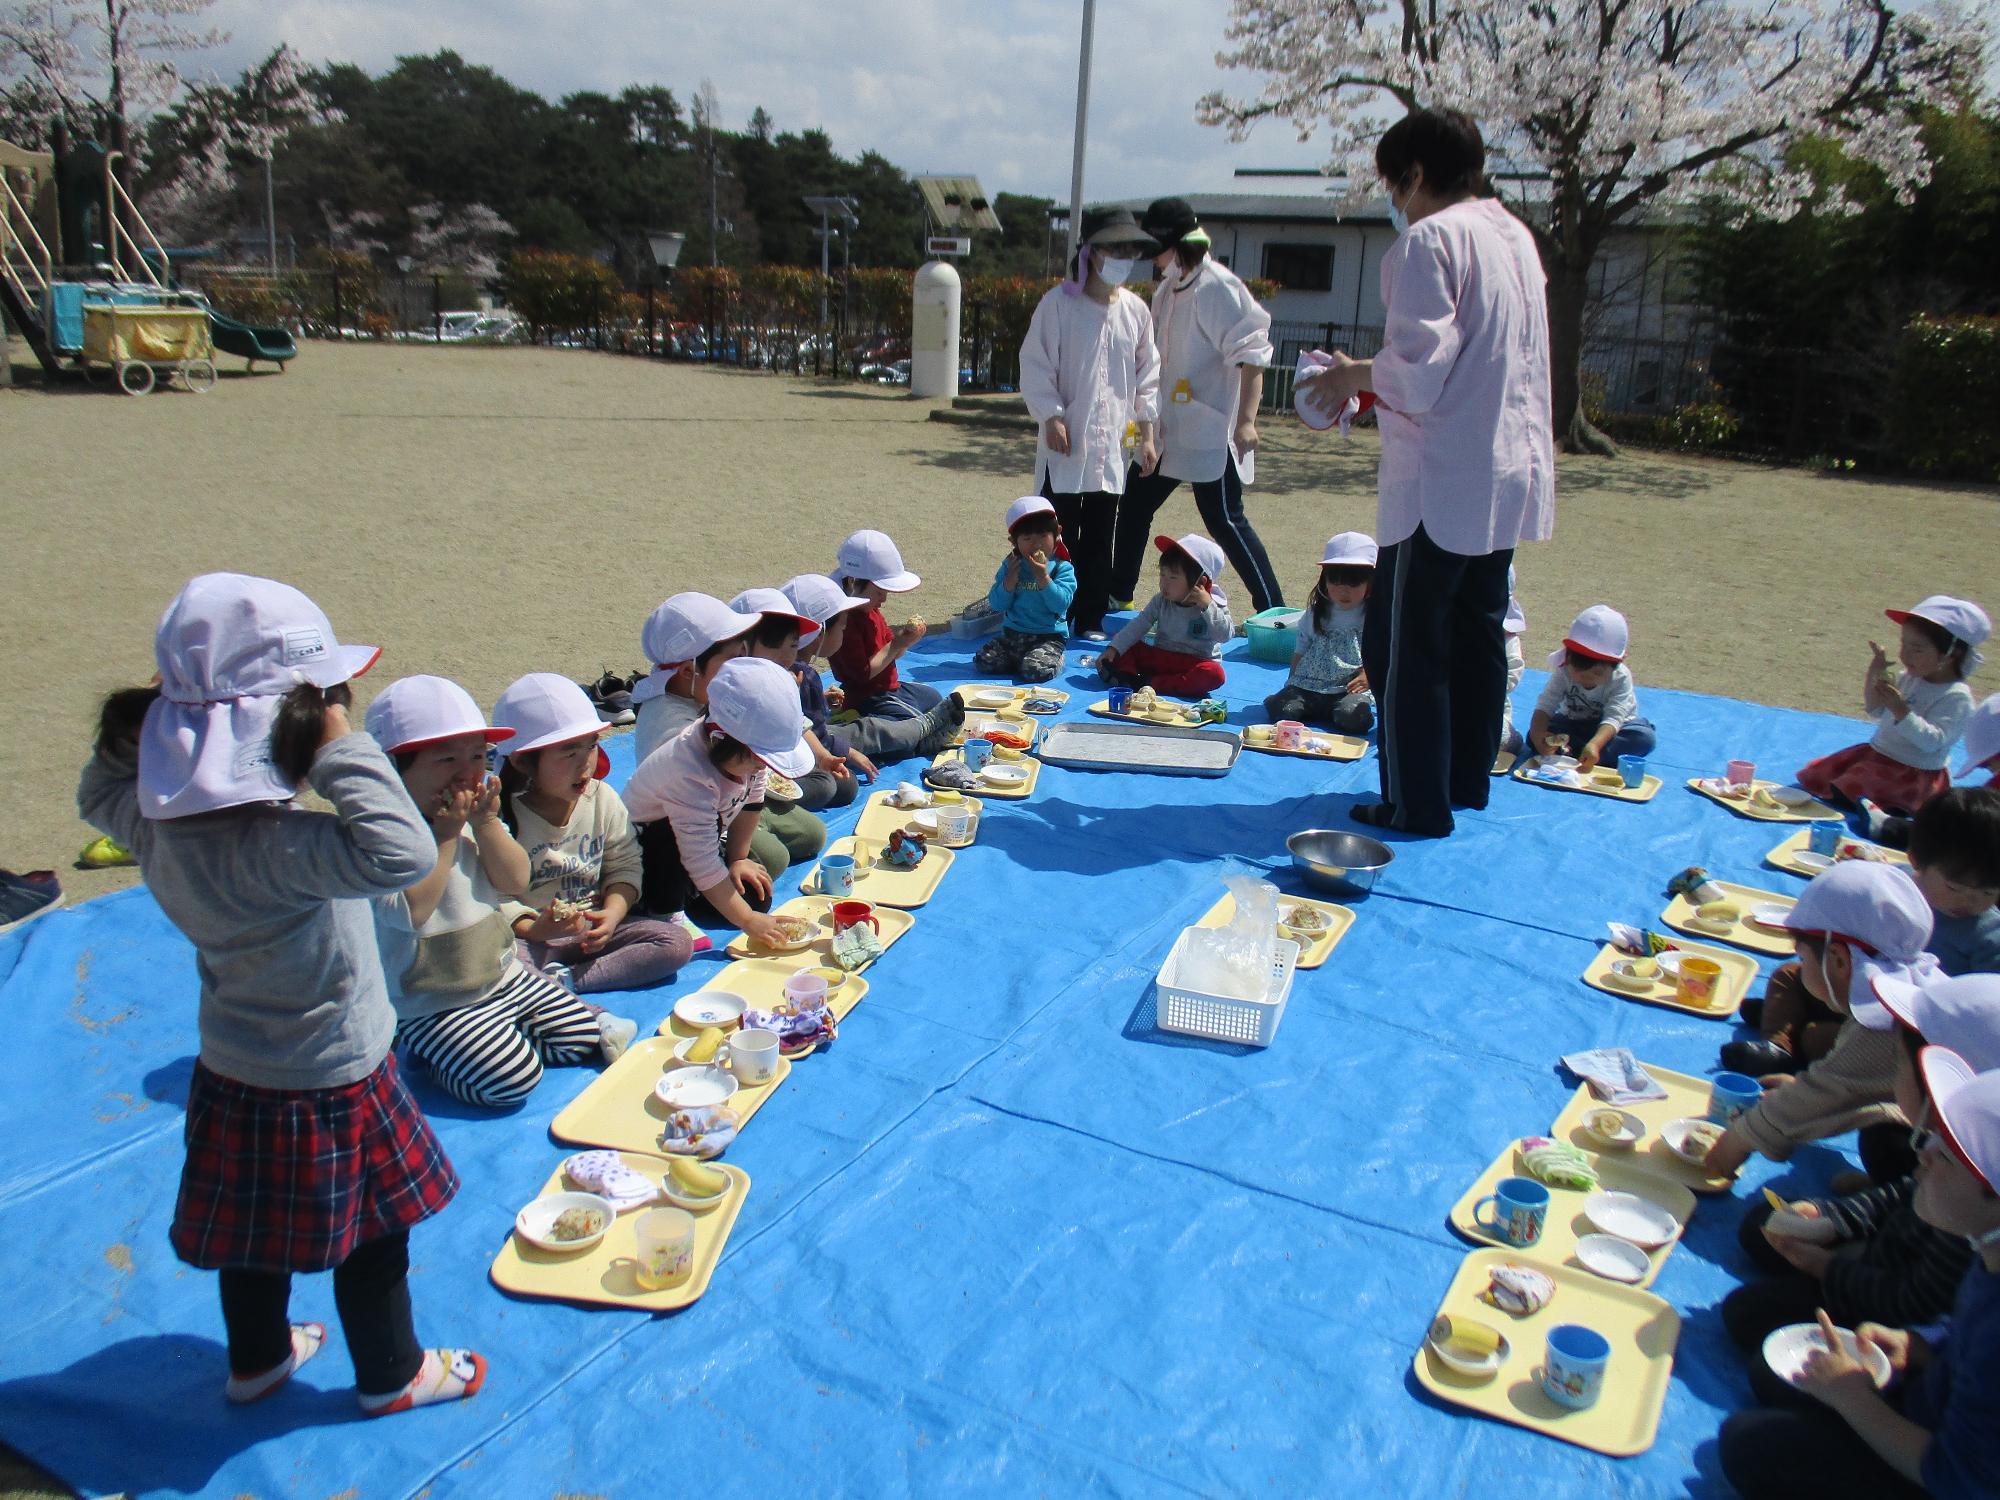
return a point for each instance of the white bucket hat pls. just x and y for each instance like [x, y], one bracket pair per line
[229, 648]
[1207, 556]
[1965, 620]
[1350, 549]
[819, 598]
[1961, 1012]
[1878, 910]
[873, 558]
[1980, 741]
[679, 631]
[414, 711]
[1966, 1105]
[762, 602]
[1027, 505]
[546, 708]
[757, 701]
[1599, 632]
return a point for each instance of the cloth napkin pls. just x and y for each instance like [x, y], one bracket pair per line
[703, 1132]
[795, 1025]
[1614, 1075]
[605, 1174]
[856, 946]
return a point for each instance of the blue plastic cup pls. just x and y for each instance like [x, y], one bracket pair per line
[978, 752]
[836, 875]
[1121, 700]
[1824, 838]
[1573, 1368]
[1730, 1095]
[1633, 769]
[1520, 1208]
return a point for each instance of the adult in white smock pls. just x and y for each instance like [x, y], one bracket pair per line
[1215, 343]
[1091, 378]
[1468, 465]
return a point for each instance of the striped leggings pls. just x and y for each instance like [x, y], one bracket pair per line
[491, 1053]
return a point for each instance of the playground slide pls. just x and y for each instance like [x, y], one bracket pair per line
[250, 342]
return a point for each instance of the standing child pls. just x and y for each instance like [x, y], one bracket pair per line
[1590, 700]
[1327, 685]
[304, 1150]
[1189, 618]
[779, 630]
[837, 764]
[482, 1021]
[584, 873]
[1031, 592]
[869, 567]
[1918, 713]
[687, 639]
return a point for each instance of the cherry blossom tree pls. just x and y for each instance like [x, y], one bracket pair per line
[1596, 111]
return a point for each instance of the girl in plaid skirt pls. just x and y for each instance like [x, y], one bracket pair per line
[304, 1150]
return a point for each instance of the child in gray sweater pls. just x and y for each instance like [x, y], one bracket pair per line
[1189, 620]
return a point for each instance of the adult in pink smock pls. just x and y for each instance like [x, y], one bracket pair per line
[1215, 344]
[1091, 378]
[1468, 466]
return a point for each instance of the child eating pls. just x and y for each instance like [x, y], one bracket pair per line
[1978, 749]
[1590, 708]
[1031, 592]
[837, 763]
[1327, 685]
[869, 567]
[687, 639]
[779, 630]
[1189, 619]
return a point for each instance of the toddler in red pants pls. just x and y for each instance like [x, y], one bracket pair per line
[1189, 621]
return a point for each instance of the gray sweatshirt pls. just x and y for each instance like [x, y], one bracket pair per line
[275, 901]
[1176, 627]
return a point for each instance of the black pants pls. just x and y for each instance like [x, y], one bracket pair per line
[1886, 1153]
[1791, 1451]
[1089, 522]
[1220, 502]
[1435, 648]
[666, 887]
[371, 1289]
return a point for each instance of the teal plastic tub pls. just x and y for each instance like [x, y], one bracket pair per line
[1273, 633]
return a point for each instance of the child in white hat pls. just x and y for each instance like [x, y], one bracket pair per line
[787, 822]
[1590, 704]
[584, 871]
[868, 566]
[1978, 750]
[1327, 685]
[700, 797]
[1935, 1430]
[1189, 621]
[482, 1021]
[687, 639]
[305, 1152]
[838, 763]
[1919, 713]
[1032, 589]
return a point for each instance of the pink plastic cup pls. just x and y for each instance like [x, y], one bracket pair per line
[1742, 772]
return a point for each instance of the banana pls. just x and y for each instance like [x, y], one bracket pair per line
[705, 1045]
[694, 1177]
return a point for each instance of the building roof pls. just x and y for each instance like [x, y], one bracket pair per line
[1287, 208]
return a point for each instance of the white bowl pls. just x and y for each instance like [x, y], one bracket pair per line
[992, 698]
[534, 1222]
[1628, 1129]
[994, 775]
[1614, 1259]
[695, 1086]
[1676, 1132]
[1786, 1348]
[1811, 859]
[1670, 965]
[924, 822]
[1482, 1368]
[1622, 975]
[710, 1008]
[1791, 796]
[681, 1053]
[1631, 1217]
[680, 1198]
[1770, 916]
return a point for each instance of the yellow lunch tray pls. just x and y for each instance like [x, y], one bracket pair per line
[979, 720]
[1340, 746]
[1785, 856]
[1641, 1328]
[1687, 1098]
[1738, 974]
[1503, 762]
[1012, 793]
[1182, 714]
[819, 950]
[880, 817]
[603, 1275]
[1743, 933]
[1022, 692]
[620, 1111]
[1645, 791]
[884, 885]
[761, 981]
[1313, 954]
[1566, 1224]
[1811, 812]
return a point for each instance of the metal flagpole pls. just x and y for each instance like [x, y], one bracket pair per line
[1082, 119]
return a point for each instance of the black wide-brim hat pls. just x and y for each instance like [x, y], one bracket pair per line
[1168, 221]
[1115, 226]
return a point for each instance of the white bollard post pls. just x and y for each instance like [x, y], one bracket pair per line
[934, 331]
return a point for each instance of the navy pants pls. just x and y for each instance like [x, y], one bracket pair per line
[1635, 737]
[1220, 502]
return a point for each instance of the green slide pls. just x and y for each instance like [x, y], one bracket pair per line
[250, 342]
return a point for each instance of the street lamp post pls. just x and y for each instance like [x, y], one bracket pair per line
[404, 265]
[666, 247]
[830, 208]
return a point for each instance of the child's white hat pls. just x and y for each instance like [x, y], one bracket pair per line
[229, 648]
[1965, 620]
[1961, 1012]
[873, 558]
[761, 602]
[1980, 741]
[422, 710]
[679, 631]
[1027, 505]
[819, 598]
[546, 708]
[1599, 632]
[757, 701]
[1967, 1106]
[1350, 549]
[1881, 915]
[1207, 556]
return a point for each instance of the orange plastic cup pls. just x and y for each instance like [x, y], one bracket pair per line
[1700, 981]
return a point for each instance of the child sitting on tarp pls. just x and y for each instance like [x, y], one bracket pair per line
[1189, 619]
[687, 639]
[1327, 685]
[1979, 750]
[838, 765]
[1590, 704]
[1936, 1429]
[869, 567]
[1031, 592]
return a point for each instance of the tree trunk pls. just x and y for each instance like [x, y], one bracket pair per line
[1568, 290]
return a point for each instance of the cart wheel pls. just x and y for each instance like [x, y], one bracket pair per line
[198, 375]
[136, 378]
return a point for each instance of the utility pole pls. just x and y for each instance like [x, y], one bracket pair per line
[1082, 118]
[270, 213]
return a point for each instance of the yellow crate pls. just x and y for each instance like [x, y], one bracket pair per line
[145, 335]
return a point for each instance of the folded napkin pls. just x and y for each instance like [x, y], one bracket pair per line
[702, 1132]
[856, 946]
[1614, 1075]
[953, 775]
[909, 794]
[605, 1174]
[796, 1025]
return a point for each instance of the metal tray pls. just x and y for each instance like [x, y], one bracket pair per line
[1163, 749]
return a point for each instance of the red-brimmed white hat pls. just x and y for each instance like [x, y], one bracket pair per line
[1966, 1105]
[873, 558]
[757, 701]
[1599, 633]
[772, 602]
[1964, 620]
[1350, 549]
[1881, 915]
[546, 708]
[415, 711]
[1207, 556]
[1961, 1012]
[1027, 505]
[679, 631]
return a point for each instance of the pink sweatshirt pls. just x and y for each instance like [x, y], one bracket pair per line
[677, 782]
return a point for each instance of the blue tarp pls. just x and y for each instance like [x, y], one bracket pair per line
[1005, 1237]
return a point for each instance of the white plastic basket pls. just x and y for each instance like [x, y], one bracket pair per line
[1252, 1023]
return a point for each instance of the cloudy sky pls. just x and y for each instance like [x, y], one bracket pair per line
[980, 86]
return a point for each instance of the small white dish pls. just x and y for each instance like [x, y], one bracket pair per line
[1614, 1129]
[1625, 975]
[1631, 1217]
[681, 1054]
[696, 1086]
[992, 698]
[924, 822]
[710, 1008]
[1614, 1259]
[1670, 966]
[994, 775]
[1472, 1367]
[1770, 916]
[694, 1203]
[1689, 1138]
[536, 1221]
[1787, 1348]
[1790, 796]
[1810, 859]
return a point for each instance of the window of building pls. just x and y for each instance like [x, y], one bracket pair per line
[1299, 268]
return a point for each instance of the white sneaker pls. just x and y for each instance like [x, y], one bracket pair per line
[561, 975]
[614, 1035]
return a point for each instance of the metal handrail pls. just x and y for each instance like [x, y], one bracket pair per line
[114, 196]
[33, 245]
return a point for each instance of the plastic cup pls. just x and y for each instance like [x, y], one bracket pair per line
[847, 914]
[955, 826]
[1741, 772]
[1573, 1369]
[1121, 700]
[1633, 769]
[1291, 734]
[1520, 1208]
[665, 1241]
[753, 1056]
[1731, 1095]
[806, 989]
[836, 874]
[1698, 981]
[977, 753]
[1824, 838]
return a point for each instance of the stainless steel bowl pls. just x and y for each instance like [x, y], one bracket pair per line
[1336, 860]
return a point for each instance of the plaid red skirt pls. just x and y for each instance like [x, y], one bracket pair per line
[296, 1179]
[1863, 771]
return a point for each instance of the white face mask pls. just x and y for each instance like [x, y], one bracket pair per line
[1399, 220]
[1115, 272]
